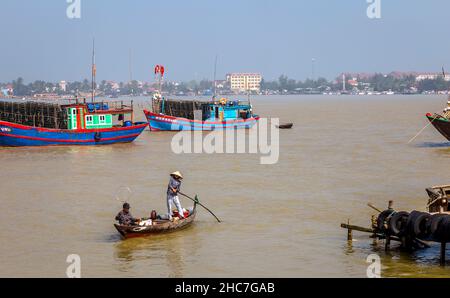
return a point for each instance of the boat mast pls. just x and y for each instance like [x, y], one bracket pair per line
[131, 73]
[215, 73]
[94, 70]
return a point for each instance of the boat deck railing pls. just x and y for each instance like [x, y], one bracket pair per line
[116, 107]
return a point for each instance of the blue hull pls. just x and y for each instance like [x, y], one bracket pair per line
[159, 122]
[19, 135]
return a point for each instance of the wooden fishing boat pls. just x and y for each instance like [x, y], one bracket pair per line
[158, 226]
[285, 126]
[177, 115]
[441, 123]
[45, 124]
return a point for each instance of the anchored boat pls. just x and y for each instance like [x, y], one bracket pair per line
[44, 124]
[176, 115]
[441, 122]
[157, 226]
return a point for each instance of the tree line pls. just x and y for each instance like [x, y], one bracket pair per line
[283, 84]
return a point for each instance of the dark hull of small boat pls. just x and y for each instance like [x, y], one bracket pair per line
[286, 126]
[441, 124]
[161, 226]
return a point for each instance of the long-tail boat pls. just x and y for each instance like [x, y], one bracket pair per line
[157, 226]
[45, 124]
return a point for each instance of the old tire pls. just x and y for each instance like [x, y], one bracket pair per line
[434, 223]
[442, 233]
[98, 136]
[381, 220]
[397, 223]
[417, 224]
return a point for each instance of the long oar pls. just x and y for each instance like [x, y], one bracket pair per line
[196, 201]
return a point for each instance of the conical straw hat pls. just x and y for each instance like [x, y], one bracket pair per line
[177, 174]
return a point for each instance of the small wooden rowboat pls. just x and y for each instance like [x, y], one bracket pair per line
[159, 226]
[285, 126]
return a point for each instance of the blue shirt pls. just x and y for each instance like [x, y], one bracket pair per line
[173, 183]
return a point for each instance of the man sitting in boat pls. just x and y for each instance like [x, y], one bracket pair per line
[125, 218]
[172, 194]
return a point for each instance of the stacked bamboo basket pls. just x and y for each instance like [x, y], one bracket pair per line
[178, 108]
[37, 114]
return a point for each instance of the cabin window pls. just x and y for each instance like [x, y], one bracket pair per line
[89, 119]
[102, 119]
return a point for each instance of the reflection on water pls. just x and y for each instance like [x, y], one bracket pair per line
[163, 254]
[433, 145]
[397, 262]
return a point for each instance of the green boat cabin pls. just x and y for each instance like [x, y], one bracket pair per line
[97, 115]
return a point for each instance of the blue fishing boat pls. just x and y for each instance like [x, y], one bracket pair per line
[176, 115]
[46, 124]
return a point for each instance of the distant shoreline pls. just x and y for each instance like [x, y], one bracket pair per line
[69, 98]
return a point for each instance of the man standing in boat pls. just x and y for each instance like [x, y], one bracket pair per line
[172, 194]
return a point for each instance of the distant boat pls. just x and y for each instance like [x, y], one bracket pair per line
[41, 124]
[285, 126]
[176, 115]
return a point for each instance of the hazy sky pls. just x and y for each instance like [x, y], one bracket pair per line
[39, 41]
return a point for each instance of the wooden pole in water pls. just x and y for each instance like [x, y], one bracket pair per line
[388, 243]
[391, 205]
[374, 208]
[443, 247]
[374, 226]
[349, 232]
[403, 241]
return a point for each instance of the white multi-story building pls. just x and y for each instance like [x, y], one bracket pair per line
[431, 76]
[242, 82]
[63, 86]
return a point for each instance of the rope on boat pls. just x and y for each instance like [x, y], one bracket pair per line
[431, 122]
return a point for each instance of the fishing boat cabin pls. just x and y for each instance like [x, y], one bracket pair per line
[98, 115]
[439, 196]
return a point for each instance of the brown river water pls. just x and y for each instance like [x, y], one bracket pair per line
[280, 220]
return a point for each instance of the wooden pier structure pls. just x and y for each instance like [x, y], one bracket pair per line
[414, 230]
